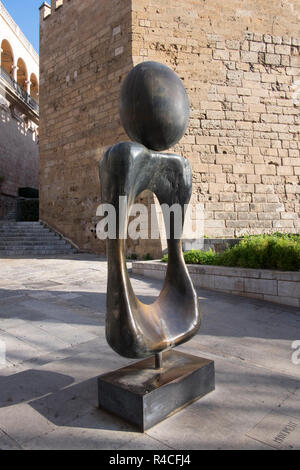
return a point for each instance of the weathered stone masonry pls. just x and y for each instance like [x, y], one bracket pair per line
[240, 64]
[248, 138]
[85, 51]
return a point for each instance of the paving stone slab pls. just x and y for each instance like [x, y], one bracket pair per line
[62, 406]
[17, 351]
[41, 295]
[19, 386]
[48, 399]
[7, 443]
[68, 334]
[38, 338]
[96, 430]
[222, 419]
[278, 430]
[39, 285]
[144, 442]
[23, 423]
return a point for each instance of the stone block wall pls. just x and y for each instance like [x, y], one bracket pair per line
[18, 155]
[248, 138]
[240, 63]
[85, 52]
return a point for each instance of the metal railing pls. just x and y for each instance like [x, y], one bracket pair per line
[18, 90]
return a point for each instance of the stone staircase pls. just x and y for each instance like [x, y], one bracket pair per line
[31, 238]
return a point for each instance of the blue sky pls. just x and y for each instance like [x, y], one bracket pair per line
[26, 14]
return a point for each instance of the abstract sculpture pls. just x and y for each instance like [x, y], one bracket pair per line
[154, 110]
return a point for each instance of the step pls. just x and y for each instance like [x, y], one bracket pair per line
[23, 229]
[37, 243]
[12, 226]
[36, 253]
[21, 223]
[29, 239]
[32, 249]
[8, 223]
[10, 233]
[50, 246]
[25, 233]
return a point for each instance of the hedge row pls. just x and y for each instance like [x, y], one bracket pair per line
[276, 251]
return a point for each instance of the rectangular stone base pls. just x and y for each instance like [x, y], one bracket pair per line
[144, 396]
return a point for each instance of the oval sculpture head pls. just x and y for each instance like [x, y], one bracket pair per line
[154, 106]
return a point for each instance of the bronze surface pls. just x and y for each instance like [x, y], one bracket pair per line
[134, 329]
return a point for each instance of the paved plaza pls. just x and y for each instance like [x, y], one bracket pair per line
[52, 317]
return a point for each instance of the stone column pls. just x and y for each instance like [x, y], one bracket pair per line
[14, 72]
[28, 83]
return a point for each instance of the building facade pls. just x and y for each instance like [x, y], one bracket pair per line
[19, 111]
[240, 63]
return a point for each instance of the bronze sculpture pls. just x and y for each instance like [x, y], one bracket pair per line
[154, 111]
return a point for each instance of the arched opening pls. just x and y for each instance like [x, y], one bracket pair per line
[22, 74]
[34, 87]
[7, 58]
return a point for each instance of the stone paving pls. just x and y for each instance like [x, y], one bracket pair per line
[52, 315]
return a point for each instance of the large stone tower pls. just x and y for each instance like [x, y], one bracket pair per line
[240, 64]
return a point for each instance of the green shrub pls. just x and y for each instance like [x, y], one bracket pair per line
[276, 251]
[197, 257]
[200, 257]
[265, 252]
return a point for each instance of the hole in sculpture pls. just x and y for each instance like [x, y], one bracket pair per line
[146, 232]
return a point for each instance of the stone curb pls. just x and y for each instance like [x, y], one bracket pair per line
[281, 287]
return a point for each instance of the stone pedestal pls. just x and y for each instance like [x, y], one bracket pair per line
[144, 396]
